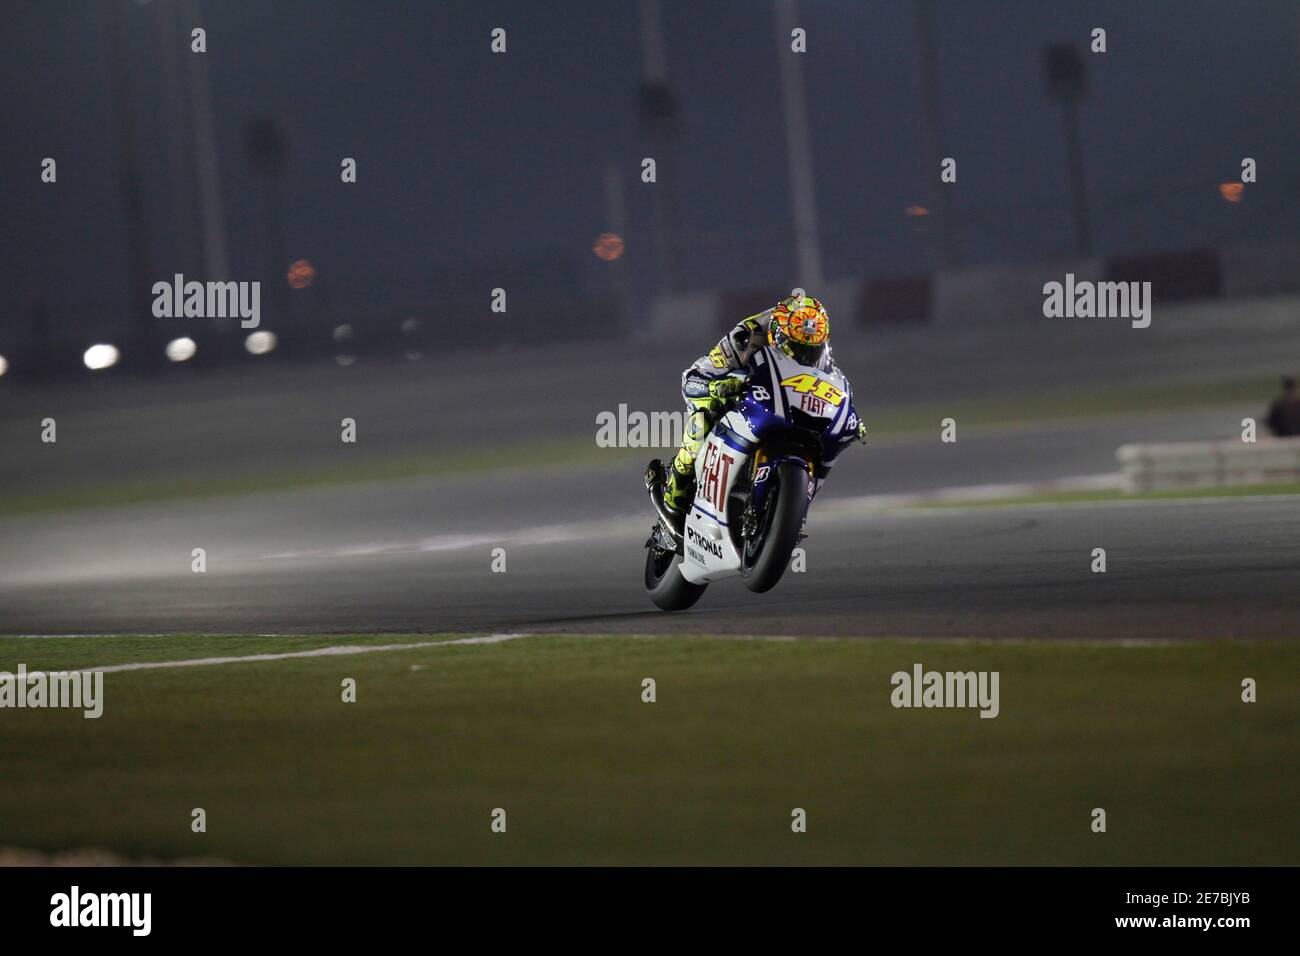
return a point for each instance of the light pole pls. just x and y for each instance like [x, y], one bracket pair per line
[798, 152]
[1066, 78]
[660, 112]
[927, 65]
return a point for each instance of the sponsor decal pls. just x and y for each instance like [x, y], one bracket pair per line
[814, 405]
[701, 541]
[717, 468]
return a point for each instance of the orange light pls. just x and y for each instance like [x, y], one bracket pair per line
[301, 274]
[916, 211]
[609, 246]
[1231, 191]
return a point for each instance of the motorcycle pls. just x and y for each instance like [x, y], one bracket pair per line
[754, 479]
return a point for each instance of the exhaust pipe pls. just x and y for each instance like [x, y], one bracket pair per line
[654, 484]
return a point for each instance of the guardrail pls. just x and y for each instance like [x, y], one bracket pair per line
[1158, 467]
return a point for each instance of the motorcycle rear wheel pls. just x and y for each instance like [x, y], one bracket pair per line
[665, 584]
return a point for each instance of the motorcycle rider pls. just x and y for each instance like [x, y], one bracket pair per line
[798, 325]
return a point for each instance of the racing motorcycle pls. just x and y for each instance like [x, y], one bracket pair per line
[754, 479]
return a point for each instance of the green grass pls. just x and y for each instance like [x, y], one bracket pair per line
[1074, 497]
[553, 730]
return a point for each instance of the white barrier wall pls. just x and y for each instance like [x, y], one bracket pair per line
[1209, 464]
[1260, 268]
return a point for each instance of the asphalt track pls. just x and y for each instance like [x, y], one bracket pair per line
[416, 556]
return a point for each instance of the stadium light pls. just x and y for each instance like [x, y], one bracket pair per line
[608, 247]
[4, 365]
[260, 342]
[300, 274]
[101, 356]
[181, 350]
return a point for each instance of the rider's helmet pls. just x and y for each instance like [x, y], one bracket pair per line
[801, 329]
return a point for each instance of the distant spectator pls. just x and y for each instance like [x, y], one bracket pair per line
[1284, 414]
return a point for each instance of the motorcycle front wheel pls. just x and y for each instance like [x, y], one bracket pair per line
[766, 555]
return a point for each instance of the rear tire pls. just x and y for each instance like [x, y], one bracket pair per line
[663, 580]
[776, 542]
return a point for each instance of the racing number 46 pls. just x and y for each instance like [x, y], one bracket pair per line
[805, 384]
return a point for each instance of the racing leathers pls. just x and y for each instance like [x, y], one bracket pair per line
[707, 385]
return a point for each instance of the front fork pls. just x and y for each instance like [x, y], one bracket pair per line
[764, 467]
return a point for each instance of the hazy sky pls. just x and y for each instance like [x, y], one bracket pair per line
[494, 161]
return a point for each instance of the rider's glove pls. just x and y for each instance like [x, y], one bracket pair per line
[862, 432]
[723, 388]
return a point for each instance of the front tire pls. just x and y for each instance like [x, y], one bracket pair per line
[665, 584]
[765, 559]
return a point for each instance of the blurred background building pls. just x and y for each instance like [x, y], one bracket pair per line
[479, 170]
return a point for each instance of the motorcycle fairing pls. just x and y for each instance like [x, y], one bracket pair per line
[773, 423]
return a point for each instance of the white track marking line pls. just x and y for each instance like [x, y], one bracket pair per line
[543, 534]
[315, 652]
[1123, 642]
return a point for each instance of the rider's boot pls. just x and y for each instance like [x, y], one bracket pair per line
[679, 489]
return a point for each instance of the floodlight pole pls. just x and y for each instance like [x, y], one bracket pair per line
[798, 152]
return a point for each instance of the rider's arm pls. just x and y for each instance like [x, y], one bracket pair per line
[730, 354]
[741, 342]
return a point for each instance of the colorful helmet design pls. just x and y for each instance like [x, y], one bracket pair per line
[801, 329]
